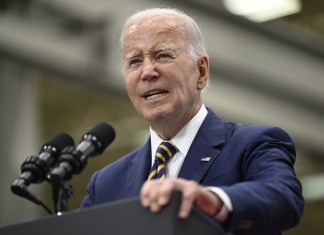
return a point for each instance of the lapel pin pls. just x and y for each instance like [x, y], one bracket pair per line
[205, 159]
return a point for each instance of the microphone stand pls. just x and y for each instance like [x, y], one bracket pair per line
[59, 178]
[61, 192]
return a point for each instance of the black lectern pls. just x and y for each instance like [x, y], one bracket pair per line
[120, 218]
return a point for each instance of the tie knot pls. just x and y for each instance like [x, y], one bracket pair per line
[166, 150]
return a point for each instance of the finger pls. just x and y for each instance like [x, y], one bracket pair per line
[165, 190]
[144, 194]
[189, 193]
[186, 206]
[149, 195]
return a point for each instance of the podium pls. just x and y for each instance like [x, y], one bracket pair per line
[120, 218]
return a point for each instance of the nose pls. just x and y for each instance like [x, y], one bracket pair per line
[149, 70]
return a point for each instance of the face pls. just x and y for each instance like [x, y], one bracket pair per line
[161, 77]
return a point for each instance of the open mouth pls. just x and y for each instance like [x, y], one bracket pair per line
[154, 94]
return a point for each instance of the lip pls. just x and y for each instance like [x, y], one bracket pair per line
[154, 94]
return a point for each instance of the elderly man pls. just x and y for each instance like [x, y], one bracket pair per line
[243, 176]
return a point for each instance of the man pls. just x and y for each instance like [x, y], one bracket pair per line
[242, 176]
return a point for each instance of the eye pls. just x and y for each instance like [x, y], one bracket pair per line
[134, 61]
[163, 56]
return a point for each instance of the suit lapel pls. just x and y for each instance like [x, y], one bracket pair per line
[139, 170]
[204, 149]
[201, 155]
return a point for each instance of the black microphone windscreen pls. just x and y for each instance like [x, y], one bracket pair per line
[105, 134]
[59, 141]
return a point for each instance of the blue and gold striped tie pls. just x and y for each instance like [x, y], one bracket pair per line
[164, 152]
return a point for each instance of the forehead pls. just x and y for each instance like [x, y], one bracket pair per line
[154, 30]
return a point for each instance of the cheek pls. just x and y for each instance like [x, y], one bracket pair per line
[129, 85]
[189, 81]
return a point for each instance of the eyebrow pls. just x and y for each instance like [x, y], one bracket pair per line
[131, 54]
[172, 47]
[159, 48]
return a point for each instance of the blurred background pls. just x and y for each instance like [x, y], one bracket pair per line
[60, 72]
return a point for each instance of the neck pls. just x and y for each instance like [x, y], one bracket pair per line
[167, 129]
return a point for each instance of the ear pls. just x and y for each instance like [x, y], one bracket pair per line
[203, 68]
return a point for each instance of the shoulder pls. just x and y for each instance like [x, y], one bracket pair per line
[257, 133]
[241, 134]
[261, 144]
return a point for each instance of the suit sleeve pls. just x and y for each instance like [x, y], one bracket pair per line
[270, 196]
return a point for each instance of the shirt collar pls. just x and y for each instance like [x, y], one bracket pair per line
[185, 136]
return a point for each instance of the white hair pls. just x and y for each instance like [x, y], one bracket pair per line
[195, 39]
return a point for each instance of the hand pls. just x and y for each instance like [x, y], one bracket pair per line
[155, 194]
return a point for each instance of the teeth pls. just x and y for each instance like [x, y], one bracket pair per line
[153, 96]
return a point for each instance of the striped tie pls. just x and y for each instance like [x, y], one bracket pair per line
[164, 152]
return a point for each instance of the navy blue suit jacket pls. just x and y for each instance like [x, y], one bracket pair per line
[252, 164]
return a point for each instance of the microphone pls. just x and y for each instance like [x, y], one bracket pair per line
[73, 160]
[35, 168]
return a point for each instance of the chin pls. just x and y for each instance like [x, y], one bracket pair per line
[157, 111]
[153, 115]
